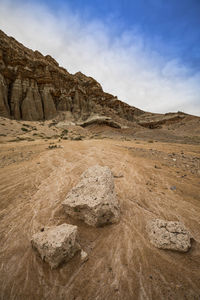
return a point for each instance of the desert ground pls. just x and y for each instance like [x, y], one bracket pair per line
[157, 175]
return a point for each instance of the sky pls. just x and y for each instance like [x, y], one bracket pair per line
[145, 52]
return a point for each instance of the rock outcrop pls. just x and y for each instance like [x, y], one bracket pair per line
[56, 244]
[93, 199]
[100, 120]
[169, 235]
[157, 120]
[34, 87]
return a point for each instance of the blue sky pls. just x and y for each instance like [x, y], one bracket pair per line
[147, 52]
[169, 26]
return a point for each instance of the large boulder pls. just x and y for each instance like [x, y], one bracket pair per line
[169, 235]
[93, 199]
[56, 244]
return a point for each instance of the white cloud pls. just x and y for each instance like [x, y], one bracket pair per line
[124, 65]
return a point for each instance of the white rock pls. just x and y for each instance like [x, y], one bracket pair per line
[56, 244]
[93, 199]
[84, 256]
[169, 235]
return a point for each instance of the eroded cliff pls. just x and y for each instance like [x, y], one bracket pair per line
[34, 87]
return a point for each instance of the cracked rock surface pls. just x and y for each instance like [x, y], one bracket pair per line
[169, 235]
[56, 244]
[93, 199]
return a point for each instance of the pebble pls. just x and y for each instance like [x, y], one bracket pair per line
[157, 167]
[84, 256]
[173, 188]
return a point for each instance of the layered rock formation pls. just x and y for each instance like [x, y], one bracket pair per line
[153, 121]
[100, 120]
[34, 87]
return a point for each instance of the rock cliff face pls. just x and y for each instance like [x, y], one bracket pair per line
[34, 87]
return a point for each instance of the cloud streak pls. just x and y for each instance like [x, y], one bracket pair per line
[126, 65]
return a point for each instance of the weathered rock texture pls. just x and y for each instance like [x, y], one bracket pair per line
[153, 121]
[34, 87]
[169, 235]
[93, 199]
[100, 120]
[56, 244]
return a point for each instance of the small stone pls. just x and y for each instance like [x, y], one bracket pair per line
[173, 188]
[169, 235]
[56, 244]
[118, 176]
[84, 256]
[157, 167]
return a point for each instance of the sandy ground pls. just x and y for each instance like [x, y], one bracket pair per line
[34, 181]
